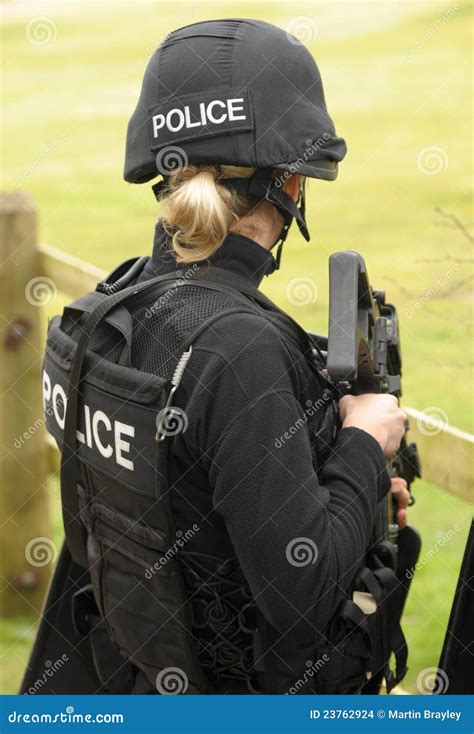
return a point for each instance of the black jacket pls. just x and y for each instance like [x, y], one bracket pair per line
[244, 470]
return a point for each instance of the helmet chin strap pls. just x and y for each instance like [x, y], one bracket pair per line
[262, 185]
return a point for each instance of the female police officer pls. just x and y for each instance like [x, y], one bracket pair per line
[256, 526]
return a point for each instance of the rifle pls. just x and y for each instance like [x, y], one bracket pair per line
[363, 355]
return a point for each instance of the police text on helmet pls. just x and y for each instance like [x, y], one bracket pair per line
[216, 112]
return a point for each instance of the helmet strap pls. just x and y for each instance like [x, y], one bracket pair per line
[160, 189]
[263, 185]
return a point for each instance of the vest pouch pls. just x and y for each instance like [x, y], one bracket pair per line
[140, 589]
[144, 604]
[115, 675]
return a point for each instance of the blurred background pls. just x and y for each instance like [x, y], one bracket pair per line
[398, 81]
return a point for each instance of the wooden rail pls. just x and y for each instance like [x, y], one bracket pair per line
[29, 455]
[72, 277]
[446, 453]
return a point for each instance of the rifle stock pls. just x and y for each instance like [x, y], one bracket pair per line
[363, 355]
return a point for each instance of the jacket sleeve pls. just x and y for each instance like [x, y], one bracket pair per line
[299, 539]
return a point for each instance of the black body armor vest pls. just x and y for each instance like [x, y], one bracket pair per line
[172, 606]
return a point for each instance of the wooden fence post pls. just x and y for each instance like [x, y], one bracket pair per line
[26, 547]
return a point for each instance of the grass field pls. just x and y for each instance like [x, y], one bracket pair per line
[397, 81]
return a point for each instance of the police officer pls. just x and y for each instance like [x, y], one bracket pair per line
[230, 568]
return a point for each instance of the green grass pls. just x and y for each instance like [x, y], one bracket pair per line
[66, 106]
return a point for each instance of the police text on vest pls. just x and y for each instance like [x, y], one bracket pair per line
[108, 437]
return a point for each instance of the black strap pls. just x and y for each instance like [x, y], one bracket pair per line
[395, 637]
[123, 275]
[382, 584]
[349, 610]
[263, 185]
[120, 319]
[371, 584]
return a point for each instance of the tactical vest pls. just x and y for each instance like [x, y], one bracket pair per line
[179, 616]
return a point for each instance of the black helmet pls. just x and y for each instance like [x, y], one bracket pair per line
[237, 93]
[232, 92]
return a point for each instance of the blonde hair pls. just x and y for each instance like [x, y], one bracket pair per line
[198, 212]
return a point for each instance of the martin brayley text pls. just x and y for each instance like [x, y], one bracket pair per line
[412, 714]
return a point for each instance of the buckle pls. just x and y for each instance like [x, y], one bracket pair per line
[160, 189]
[84, 606]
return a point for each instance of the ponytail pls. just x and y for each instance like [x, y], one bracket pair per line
[198, 212]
